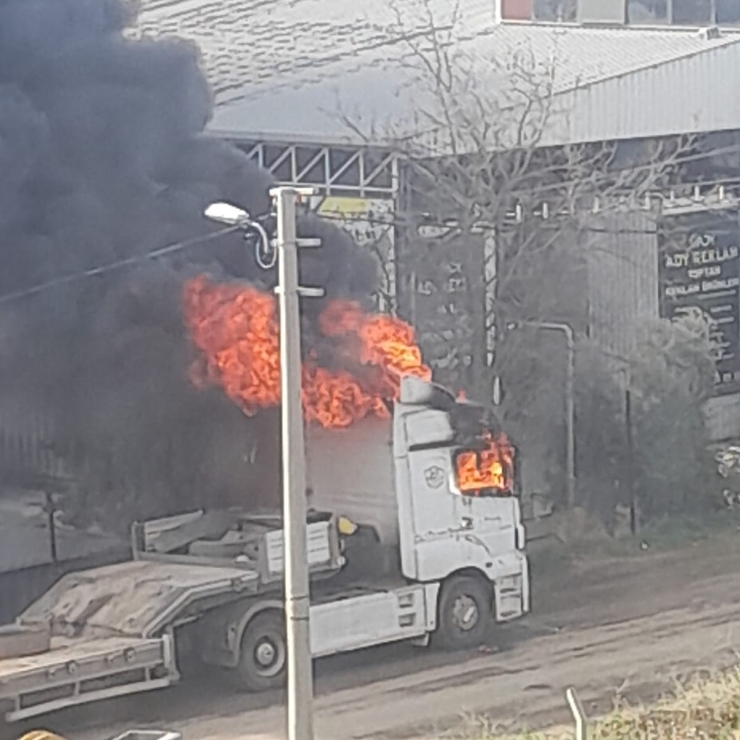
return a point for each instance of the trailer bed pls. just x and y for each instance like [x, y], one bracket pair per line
[113, 628]
[110, 632]
[134, 599]
[79, 670]
[64, 650]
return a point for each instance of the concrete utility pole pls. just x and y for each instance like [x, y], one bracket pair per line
[300, 679]
[295, 550]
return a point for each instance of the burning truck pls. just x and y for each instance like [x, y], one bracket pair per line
[414, 531]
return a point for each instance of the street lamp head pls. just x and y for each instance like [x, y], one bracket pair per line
[225, 213]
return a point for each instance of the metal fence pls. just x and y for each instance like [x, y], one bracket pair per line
[27, 457]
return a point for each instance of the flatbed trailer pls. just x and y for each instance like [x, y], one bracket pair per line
[82, 670]
[113, 628]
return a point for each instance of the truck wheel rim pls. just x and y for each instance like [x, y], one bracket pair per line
[269, 656]
[465, 613]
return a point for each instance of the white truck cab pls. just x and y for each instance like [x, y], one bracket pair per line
[444, 530]
[457, 556]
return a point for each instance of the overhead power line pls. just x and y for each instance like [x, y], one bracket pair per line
[118, 265]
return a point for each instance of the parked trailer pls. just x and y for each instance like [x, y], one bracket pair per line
[441, 564]
[114, 628]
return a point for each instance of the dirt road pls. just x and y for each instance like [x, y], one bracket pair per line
[629, 626]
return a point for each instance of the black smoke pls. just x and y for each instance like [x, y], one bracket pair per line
[102, 157]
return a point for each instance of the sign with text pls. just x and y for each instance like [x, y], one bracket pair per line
[448, 303]
[700, 273]
[369, 221]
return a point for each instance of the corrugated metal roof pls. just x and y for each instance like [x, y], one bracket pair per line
[290, 69]
[688, 95]
[247, 43]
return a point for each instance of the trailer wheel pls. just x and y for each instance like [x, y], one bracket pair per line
[464, 613]
[263, 653]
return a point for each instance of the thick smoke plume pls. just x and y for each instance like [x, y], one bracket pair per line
[103, 156]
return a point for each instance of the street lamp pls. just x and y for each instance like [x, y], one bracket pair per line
[297, 604]
[225, 213]
[570, 427]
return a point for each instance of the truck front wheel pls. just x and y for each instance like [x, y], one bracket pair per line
[464, 613]
[263, 653]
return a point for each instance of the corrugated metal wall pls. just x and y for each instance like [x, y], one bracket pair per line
[26, 435]
[723, 417]
[623, 294]
[623, 279]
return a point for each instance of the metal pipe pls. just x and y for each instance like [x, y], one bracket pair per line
[300, 680]
[634, 507]
[579, 714]
[570, 404]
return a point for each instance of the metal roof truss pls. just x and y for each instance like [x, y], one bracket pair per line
[362, 172]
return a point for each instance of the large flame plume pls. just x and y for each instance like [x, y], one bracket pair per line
[492, 468]
[236, 330]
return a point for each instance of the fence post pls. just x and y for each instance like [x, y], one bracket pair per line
[51, 509]
[579, 715]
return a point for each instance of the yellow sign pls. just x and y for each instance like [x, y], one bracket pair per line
[369, 221]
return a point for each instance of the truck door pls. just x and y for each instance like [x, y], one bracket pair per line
[487, 510]
[489, 524]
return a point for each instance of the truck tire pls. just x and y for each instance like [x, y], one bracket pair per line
[463, 614]
[263, 653]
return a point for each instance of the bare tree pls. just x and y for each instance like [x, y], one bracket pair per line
[501, 217]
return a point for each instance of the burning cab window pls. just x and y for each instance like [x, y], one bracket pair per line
[487, 472]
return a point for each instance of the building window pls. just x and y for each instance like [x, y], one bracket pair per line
[692, 12]
[555, 10]
[727, 12]
[647, 12]
[689, 13]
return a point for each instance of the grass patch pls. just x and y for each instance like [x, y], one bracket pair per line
[706, 710]
[678, 531]
[667, 535]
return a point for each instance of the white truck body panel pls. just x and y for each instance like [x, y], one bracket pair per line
[318, 546]
[351, 472]
[373, 619]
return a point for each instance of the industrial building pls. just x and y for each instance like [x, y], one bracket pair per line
[311, 90]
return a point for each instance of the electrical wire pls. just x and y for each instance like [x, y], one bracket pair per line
[267, 257]
[118, 265]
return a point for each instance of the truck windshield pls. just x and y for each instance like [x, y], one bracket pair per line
[488, 471]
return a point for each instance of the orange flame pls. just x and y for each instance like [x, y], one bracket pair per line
[493, 468]
[236, 330]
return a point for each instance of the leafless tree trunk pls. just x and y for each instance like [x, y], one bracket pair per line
[501, 216]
